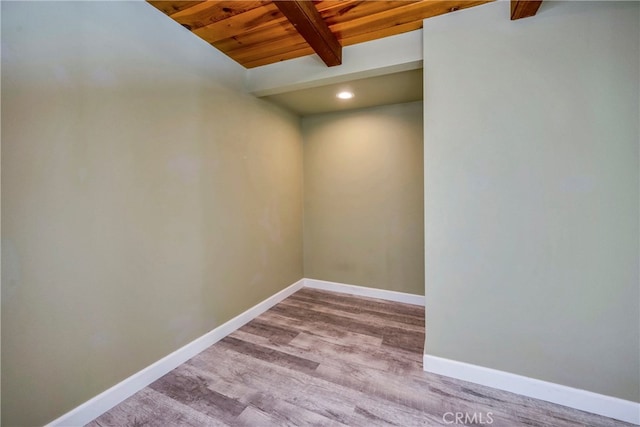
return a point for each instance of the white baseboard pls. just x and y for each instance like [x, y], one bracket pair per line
[612, 407]
[106, 400]
[365, 292]
[608, 406]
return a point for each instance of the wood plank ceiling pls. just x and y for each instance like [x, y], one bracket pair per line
[262, 32]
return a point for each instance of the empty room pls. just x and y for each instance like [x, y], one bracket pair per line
[334, 212]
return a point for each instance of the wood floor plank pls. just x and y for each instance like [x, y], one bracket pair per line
[329, 331]
[268, 354]
[397, 322]
[323, 358]
[193, 391]
[301, 390]
[370, 350]
[389, 314]
[409, 340]
[282, 414]
[275, 333]
[382, 306]
[362, 326]
[326, 350]
[152, 409]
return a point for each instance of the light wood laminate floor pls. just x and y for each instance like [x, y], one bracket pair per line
[320, 358]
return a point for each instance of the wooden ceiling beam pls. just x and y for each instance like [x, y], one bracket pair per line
[524, 8]
[306, 19]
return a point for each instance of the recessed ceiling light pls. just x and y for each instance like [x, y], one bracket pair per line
[345, 95]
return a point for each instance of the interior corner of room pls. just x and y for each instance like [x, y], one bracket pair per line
[154, 189]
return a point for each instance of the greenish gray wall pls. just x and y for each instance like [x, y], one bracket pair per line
[363, 197]
[532, 192]
[145, 199]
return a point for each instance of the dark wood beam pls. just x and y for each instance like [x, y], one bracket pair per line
[307, 20]
[524, 8]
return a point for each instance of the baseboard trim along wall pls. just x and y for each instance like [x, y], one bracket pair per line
[365, 292]
[583, 400]
[106, 400]
[575, 398]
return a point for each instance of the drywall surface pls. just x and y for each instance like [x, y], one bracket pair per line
[363, 197]
[145, 198]
[531, 192]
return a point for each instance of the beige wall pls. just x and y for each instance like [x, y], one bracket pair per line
[531, 192]
[145, 200]
[363, 186]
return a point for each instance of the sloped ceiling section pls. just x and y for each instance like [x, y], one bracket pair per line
[256, 33]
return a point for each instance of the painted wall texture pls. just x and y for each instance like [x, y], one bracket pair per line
[145, 199]
[363, 197]
[531, 192]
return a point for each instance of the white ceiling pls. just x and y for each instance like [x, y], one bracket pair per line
[395, 88]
